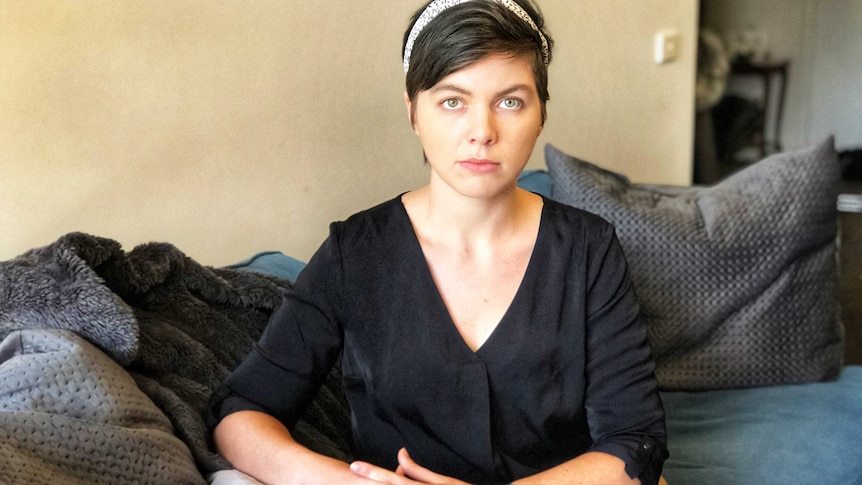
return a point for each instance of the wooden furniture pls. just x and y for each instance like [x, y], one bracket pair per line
[766, 72]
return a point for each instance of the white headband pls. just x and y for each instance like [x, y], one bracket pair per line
[437, 6]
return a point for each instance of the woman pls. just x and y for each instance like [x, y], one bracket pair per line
[485, 334]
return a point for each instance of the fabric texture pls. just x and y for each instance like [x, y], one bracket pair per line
[562, 373]
[736, 280]
[177, 326]
[66, 408]
[807, 433]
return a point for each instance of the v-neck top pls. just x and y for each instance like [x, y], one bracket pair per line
[567, 369]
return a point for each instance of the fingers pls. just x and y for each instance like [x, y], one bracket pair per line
[378, 474]
[408, 472]
[415, 471]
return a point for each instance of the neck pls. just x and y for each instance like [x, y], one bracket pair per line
[469, 221]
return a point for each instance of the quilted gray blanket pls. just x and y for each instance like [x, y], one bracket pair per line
[177, 328]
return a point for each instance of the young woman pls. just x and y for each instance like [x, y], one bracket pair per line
[485, 334]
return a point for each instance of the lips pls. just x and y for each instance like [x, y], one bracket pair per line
[479, 166]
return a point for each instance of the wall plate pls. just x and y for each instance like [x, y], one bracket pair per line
[667, 46]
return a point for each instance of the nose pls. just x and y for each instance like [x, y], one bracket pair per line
[483, 127]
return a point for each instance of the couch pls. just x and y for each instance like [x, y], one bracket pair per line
[109, 358]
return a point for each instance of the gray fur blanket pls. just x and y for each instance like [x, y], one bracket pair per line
[176, 326]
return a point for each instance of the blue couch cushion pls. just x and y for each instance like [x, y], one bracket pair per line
[273, 263]
[807, 433]
[538, 181]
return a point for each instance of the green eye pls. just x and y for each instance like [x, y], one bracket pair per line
[452, 103]
[511, 103]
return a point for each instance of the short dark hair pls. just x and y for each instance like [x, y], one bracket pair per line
[468, 32]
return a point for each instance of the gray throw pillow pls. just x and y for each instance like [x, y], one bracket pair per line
[69, 414]
[736, 281]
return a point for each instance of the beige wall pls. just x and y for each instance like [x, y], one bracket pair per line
[231, 127]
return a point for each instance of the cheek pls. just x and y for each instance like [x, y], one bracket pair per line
[530, 131]
[433, 131]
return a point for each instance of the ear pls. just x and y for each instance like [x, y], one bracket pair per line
[409, 105]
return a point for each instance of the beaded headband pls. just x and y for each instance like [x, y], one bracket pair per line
[437, 6]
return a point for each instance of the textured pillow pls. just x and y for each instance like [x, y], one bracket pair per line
[70, 414]
[736, 281]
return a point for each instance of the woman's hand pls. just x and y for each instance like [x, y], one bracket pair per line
[408, 472]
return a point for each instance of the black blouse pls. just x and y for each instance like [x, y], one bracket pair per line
[567, 370]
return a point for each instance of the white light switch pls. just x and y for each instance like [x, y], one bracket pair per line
[666, 46]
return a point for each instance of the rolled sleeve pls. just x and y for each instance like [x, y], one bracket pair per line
[624, 408]
[291, 360]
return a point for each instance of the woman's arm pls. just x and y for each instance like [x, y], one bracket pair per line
[259, 445]
[589, 468]
[592, 467]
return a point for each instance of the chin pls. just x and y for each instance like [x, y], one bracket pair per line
[486, 190]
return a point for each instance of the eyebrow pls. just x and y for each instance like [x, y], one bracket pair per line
[460, 90]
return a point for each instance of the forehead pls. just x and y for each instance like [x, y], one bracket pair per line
[493, 72]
